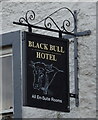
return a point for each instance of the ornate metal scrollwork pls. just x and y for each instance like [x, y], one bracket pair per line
[30, 17]
[49, 24]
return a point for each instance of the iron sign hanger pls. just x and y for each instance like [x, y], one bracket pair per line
[30, 16]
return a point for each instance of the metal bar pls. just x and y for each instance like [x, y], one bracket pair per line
[30, 29]
[76, 63]
[43, 28]
[78, 34]
[60, 34]
[84, 33]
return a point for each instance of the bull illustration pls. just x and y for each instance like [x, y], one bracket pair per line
[41, 73]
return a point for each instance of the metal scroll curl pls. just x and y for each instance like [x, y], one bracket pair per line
[30, 17]
[49, 24]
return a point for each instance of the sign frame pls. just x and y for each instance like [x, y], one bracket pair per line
[26, 36]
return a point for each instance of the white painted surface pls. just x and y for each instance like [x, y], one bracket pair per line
[11, 11]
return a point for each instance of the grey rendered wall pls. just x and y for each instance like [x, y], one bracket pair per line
[11, 11]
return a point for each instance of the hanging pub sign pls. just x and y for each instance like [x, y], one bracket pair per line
[47, 72]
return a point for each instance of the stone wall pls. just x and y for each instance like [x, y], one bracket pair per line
[12, 11]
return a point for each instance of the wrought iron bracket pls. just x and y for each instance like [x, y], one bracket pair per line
[48, 23]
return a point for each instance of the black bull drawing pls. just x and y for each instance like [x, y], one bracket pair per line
[41, 73]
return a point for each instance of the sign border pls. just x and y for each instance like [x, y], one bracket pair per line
[25, 72]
